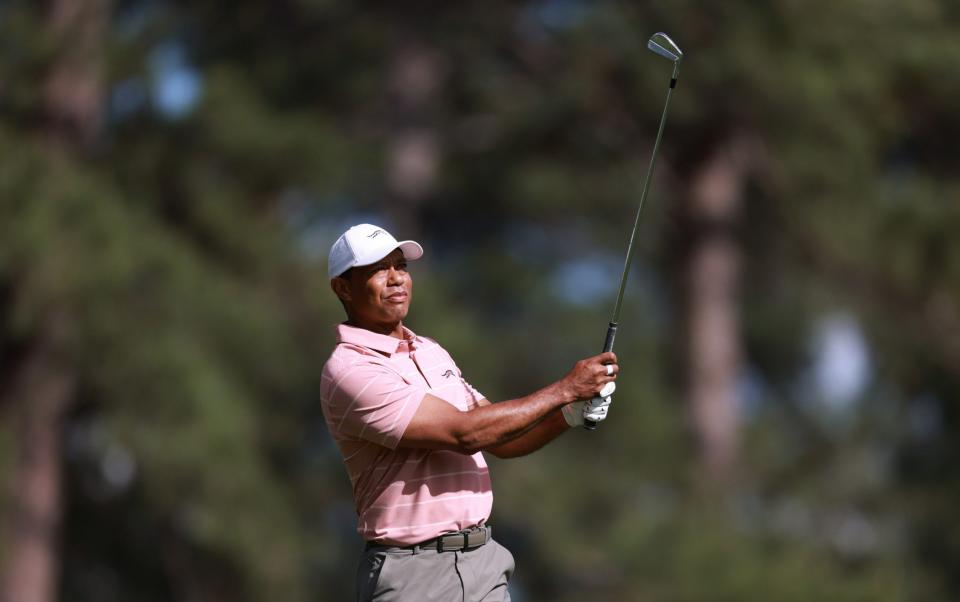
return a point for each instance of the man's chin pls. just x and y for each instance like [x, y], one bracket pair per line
[397, 314]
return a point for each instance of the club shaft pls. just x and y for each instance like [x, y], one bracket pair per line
[612, 327]
[643, 195]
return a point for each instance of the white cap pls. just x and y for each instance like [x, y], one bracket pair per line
[365, 244]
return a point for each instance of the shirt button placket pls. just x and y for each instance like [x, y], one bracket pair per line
[423, 375]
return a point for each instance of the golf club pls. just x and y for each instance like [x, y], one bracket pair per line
[661, 44]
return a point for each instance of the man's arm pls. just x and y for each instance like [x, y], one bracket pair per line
[439, 425]
[544, 432]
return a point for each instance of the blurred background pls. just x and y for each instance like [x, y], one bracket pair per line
[172, 175]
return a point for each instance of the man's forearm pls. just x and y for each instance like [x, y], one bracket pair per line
[494, 425]
[545, 431]
[437, 424]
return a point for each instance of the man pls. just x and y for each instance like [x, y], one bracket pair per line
[411, 431]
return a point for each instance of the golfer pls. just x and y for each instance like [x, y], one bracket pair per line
[412, 431]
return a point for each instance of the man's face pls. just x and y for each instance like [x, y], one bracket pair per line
[377, 294]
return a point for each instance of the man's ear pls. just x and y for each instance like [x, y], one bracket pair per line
[340, 288]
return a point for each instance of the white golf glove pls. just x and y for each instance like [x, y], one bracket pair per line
[596, 409]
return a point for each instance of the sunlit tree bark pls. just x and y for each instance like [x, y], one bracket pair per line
[413, 153]
[714, 349]
[42, 387]
[39, 394]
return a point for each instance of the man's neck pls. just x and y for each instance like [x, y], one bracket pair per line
[394, 330]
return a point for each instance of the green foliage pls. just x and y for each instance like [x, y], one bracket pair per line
[188, 254]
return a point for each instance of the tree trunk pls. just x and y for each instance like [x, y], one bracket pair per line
[413, 155]
[40, 393]
[714, 351]
[73, 91]
[43, 386]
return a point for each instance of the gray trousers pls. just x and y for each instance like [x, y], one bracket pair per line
[399, 575]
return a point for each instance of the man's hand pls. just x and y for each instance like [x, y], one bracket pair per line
[595, 409]
[589, 376]
[591, 383]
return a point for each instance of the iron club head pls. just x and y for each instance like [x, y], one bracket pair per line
[665, 47]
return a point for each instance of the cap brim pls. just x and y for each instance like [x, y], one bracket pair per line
[411, 249]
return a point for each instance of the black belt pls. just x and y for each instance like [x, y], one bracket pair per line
[451, 542]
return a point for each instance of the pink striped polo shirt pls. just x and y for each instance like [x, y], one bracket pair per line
[371, 387]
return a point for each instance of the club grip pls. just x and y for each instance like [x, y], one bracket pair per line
[611, 334]
[590, 425]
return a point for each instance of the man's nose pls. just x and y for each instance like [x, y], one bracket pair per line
[394, 276]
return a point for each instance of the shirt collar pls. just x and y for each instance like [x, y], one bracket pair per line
[372, 340]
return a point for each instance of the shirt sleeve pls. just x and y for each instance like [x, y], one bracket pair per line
[477, 395]
[372, 402]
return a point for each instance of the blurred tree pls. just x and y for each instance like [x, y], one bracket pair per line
[43, 383]
[150, 319]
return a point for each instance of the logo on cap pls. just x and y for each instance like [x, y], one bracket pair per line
[447, 374]
[375, 233]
